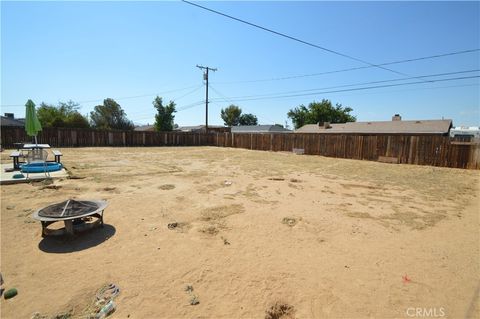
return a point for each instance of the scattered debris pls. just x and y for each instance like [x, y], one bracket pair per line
[10, 293]
[55, 187]
[167, 187]
[298, 151]
[172, 225]
[193, 298]
[10, 207]
[294, 180]
[107, 292]
[227, 183]
[225, 241]
[109, 189]
[276, 179]
[289, 221]
[76, 177]
[210, 229]
[406, 279]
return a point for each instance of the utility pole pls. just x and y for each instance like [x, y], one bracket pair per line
[205, 77]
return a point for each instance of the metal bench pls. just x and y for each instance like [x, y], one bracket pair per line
[57, 154]
[15, 155]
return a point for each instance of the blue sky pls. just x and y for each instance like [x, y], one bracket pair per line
[132, 51]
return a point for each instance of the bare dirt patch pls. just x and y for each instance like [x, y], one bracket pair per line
[364, 226]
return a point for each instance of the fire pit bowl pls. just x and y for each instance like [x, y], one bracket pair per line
[76, 214]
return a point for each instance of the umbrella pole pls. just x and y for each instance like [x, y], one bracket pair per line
[36, 141]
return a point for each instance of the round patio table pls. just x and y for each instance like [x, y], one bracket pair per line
[71, 212]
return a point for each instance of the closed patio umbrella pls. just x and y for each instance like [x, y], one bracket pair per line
[32, 124]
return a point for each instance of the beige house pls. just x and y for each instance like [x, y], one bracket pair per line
[395, 126]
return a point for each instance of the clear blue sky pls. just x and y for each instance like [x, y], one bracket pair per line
[88, 51]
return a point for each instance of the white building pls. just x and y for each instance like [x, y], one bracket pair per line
[473, 131]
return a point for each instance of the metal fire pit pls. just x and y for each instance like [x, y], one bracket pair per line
[72, 212]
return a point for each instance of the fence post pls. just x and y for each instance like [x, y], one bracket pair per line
[110, 138]
[74, 138]
[124, 138]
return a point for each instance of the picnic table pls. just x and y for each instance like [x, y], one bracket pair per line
[15, 155]
[34, 146]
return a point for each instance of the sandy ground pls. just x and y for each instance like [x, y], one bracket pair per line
[325, 237]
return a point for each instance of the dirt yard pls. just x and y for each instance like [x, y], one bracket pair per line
[252, 235]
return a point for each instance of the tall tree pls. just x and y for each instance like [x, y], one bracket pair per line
[110, 115]
[231, 115]
[248, 119]
[320, 112]
[63, 115]
[164, 117]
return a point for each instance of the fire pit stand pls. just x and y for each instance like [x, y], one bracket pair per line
[72, 212]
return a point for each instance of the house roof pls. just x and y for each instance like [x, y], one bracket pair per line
[7, 121]
[383, 127]
[259, 129]
[144, 128]
[197, 128]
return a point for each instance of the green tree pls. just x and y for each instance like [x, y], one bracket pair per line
[164, 117]
[231, 115]
[248, 119]
[320, 112]
[77, 120]
[110, 115]
[63, 115]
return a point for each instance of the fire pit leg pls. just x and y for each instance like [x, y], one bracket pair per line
[44, 227]
[69, 227]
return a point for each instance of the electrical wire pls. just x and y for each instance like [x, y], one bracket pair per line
[295, 39]
[356, 89]
[117, 98]
[348, 69]
[229, 100]
[357, 84]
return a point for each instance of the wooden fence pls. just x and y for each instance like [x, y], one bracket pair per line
[66, 137]
[431, 150]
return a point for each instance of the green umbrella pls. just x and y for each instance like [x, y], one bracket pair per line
[32, 124]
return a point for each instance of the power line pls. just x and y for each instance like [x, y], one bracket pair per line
[295, 39]
[174, 100]
[117, 98]
[349, 69]
[226, 99]
[183, 108]
[357, 89]
[188, 93]
[357, 84]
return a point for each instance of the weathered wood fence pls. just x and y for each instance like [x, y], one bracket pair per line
[431, 150]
